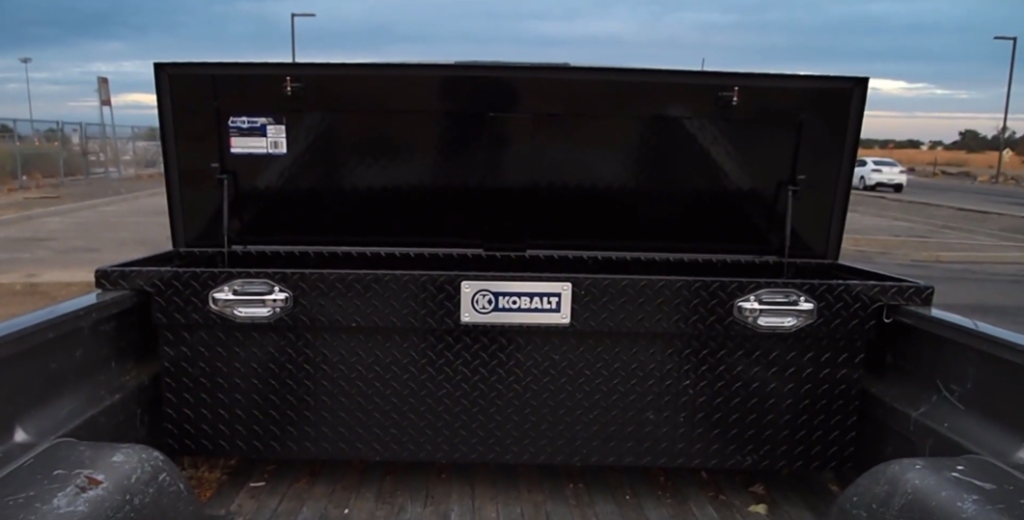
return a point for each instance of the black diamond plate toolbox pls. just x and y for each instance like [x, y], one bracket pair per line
[657, 366]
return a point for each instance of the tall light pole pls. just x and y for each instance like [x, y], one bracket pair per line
[28, 89]
[1006, 107]
[294, 16]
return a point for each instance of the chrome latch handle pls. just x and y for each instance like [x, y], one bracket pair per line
[776, 310]
[250, 300]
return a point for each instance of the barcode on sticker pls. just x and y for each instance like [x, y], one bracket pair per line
[277, 145]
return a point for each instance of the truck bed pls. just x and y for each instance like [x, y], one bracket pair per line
[310, 491]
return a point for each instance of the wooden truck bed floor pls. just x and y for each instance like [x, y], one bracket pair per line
[311, 491]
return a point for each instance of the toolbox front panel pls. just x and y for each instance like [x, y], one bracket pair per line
[376, 365]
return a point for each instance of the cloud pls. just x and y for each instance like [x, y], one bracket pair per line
[905, 45]
[113, 67]
[135, 99]
[933, 125]
[952, 116]
[901, 88]
[126, 99]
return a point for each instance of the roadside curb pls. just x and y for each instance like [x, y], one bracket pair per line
[886, 243]
[35, 283]
[939, 204]
[939, 257]
[967, 177]
[77, 206]
[59, 277]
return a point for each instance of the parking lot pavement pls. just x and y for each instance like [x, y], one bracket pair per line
[991, 293]
[915, 232]
[74, 191]
[68, 247]
[957, 192]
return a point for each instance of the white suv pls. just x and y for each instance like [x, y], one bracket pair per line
[872, 172]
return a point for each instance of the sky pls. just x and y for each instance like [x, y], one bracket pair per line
[933, 64]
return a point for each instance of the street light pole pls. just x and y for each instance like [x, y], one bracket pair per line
[1006, 107]
[294, 16]
[28, 90]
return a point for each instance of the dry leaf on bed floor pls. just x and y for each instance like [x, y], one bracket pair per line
[759, 508]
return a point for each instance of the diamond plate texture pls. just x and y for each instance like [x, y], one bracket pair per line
[653, 371]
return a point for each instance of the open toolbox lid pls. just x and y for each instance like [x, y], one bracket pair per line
[508, 157]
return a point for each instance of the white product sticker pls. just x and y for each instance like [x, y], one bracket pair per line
[257, 145]
[257, 135]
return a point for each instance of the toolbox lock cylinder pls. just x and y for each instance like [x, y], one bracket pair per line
[775, 310]
[250, 300]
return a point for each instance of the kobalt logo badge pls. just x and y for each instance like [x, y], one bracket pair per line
[483, 301]
[528, 303]
[486, 302]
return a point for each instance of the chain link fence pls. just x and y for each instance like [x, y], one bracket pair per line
[40, 152]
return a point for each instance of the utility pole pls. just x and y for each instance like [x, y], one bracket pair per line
[1006, 107]
[294, 16]
[28, 89]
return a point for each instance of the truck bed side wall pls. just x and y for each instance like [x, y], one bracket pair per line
[85, 369]
[943, 385]
[939, 385]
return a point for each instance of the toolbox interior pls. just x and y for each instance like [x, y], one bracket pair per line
[507, 263]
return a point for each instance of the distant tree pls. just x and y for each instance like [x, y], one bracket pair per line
[991, 143]
[148, 133]
[968, 140]
[53, 136]
[971, 141]
[908, 144]
[888, 144]
[1012, 139]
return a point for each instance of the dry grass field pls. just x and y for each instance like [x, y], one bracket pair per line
[949, 159]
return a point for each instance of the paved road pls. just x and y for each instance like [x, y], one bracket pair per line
[925, 232]
[991, 293]
[1008, 198]
[74, 191]
[988, 292]
[68, 247]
